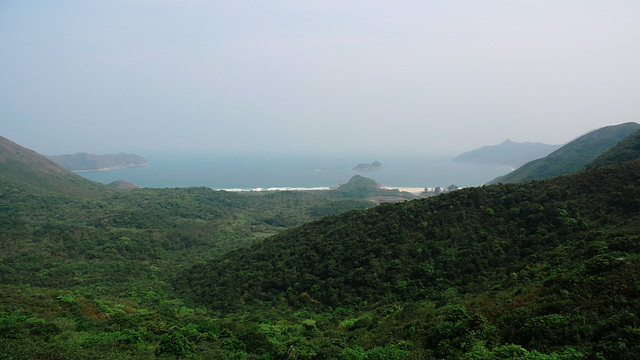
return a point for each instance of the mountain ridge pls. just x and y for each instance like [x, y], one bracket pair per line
[23, 166]
[508, 153]
[626, 150]
[572, 156]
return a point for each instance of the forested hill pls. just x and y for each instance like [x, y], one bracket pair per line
[572, 156]
[85, 268]
[26, 168]
[551, 264]
[466, 239]
[626, 150]
[540, 270]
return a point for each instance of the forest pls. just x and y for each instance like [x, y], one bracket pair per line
[537, 270]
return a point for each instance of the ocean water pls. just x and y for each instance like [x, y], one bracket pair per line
[264, 172]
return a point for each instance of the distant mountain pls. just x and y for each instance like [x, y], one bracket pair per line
[89, 162]
[20, 166]
[572, 156]
[626, 150]
[508, 153]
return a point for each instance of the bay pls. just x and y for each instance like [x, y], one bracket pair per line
[262, 172]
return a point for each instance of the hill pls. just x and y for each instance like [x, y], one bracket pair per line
[25, 167]
[572, 156]
[57, 219]
[507, 153]
[92, 162]
[85, 268]
[360, 187]
[539, 270]
[543, 265]
[626, 150]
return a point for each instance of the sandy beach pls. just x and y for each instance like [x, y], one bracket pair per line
[415, 191]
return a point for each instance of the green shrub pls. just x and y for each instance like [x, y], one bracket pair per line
[175, 344]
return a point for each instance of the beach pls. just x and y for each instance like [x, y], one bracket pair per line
[412, 190]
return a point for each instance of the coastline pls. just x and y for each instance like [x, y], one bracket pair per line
[119, 167]
[284, 173]
[283, 188]
[412, 190]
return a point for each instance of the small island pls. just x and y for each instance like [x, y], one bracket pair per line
[368, 167]
[91, 162]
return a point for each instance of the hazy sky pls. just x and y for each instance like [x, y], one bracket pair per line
[313, 76]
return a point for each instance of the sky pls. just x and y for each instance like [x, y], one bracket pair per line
[313, 76]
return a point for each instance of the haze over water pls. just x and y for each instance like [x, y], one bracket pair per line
[319, 77]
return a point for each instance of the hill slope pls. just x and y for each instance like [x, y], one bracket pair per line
[457, 237]
[542, 270]
[507, 153]
[572, 156]
[85, 269]
[25, 167]
[360, 187]
[51, 215]
[626, 150]
[542, 264]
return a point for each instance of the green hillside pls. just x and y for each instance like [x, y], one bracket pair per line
[360, 187]
[626, 150]
[77, 257]
[539, 270]
[572, 156]
[549, 266]
[26, 168]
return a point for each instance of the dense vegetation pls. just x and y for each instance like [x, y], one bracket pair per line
[572, 156]
[626, 150]
[38, 175]
[541, 270]
[77, 255]
[548, 266]
[112, 252]
[360, 187]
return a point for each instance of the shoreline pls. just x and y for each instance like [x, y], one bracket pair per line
[279, 188]
[412, 190]
[119, 167]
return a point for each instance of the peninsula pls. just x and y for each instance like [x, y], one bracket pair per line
[507, 153]
[91, 162]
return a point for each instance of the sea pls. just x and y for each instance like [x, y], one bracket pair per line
[296, 172]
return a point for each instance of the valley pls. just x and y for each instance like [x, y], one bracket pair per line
[534, 270]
